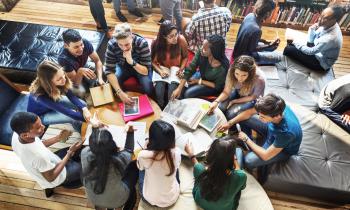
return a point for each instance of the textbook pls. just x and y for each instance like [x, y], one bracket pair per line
[145, 109]
[171, 78]
[185, 115]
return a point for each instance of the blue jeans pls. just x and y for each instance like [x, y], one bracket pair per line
[251, 160]
[196, 91]
[55, 117]
[98, 12]
[235, 109]
[162, 97]
[144, 80]
[130, 3]
[170, 9]
[73, 169]
[336, 118]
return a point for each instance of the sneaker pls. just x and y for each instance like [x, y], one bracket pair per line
[160, 21]
[48, 192]
[136, 12]
[121, 17]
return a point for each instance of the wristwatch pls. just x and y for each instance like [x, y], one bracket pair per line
[133, 63]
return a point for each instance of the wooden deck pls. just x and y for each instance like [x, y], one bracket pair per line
[18, 191]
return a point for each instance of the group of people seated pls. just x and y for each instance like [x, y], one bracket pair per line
[110, 174]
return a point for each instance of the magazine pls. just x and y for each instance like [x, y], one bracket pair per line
[133, 108]
[183, 114]
[171, 78]
[209, 122]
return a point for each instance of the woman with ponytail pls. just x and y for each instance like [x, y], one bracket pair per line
[158, 164]
[212, 64]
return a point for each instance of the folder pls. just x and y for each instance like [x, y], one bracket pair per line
[145, 109]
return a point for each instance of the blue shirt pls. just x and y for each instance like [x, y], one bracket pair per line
[72, 63]
[248, 36]
[43, 103]
[287, 134]
[327, 45]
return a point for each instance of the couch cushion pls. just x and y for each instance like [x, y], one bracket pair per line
[321, 169]
[20, 104]
[297, 84]
[7, 96]
[252, 197]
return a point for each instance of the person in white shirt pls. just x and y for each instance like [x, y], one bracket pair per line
[159, 164]
[48, 169]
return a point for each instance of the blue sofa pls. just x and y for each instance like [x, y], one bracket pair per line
[12, 101]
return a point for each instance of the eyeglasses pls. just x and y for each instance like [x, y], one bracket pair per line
[171, 36]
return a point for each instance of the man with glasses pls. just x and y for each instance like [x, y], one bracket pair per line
[128, 55]
[324, 42]
[278, 126]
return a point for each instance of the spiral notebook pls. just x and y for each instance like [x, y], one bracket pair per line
[145, 109]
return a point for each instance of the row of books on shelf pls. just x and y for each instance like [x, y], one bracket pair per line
[282, 14]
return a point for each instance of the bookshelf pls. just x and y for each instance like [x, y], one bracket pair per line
[296, 14]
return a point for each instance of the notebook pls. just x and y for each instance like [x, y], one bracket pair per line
[102, 94]
[145, 109]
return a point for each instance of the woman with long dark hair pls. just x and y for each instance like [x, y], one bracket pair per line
[218, 183]
[109, 176]
[169, 50]
[213, 65]
[244, 84]
[158, 165]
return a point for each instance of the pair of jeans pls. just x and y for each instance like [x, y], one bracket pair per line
[130, 3]
[130, 178]
[309, 61]
[335, 117]
[170, 9]
[73, 169]
[142, 179]
[161, 97]
[98, 12]
[251, 159]
[196, 91]
[55, 117]
[144, 80]
[235, 109]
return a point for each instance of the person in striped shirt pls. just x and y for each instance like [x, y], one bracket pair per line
[128, 55]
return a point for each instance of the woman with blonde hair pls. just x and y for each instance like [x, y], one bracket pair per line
[244, 84]
[52, 100]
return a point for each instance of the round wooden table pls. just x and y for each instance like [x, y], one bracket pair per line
[110, 114]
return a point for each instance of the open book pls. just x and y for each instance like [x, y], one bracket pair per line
[119, 135]
[199, 139]
[183, 114]
[171, 78]
[102, 94]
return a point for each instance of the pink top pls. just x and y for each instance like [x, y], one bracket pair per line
[158, 188]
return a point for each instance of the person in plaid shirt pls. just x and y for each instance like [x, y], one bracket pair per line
[209, 20]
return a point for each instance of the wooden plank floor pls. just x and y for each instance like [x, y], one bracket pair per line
[19, 193]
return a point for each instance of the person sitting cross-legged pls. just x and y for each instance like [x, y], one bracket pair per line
[73, 58]
[48, 169]
[324, 42]
[213, 65]
[278, 126]
[218, 182]
[128, 55]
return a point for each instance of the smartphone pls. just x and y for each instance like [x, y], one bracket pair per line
[238, 126]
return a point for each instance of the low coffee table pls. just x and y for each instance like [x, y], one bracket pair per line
[110, 114]
[201, 138]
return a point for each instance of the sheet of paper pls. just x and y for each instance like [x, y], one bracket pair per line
[292, 34]
[119, 134]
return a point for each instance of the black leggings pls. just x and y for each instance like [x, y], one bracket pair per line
[309, 61]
